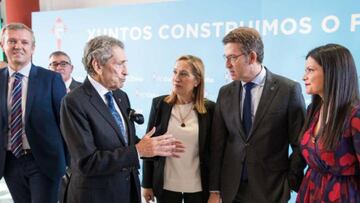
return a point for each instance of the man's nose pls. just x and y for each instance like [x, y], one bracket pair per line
[125, 70]
[228, 64]
[304, 77]
[18, 45]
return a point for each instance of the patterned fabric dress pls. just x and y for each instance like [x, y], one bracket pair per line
[332, 176]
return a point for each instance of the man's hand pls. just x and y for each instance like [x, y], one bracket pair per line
[214, 197]
[148, 195]
[164, 145]
[179, 148]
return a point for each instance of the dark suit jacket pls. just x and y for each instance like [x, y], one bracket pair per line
[104, 168]
[42, 120]
[278, 122]
[153, 169]
[74, 84]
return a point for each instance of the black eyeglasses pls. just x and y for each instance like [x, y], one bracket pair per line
[62, 64]
[232, 58]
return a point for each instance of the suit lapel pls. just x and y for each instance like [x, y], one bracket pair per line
[269, 91]
[234, 108]
[165, 114]
[101, 107]
[72, 84]
[4, 80]
[31, 90]
[202, 131]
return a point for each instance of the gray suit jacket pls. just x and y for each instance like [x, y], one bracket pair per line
[104, 168]
[74, 84]
[278, 121]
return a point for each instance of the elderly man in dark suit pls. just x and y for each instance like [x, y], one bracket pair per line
[32, 156]
[60, 62]
[257, 117]
[95, 123]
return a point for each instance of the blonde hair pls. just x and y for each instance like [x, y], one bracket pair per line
[197, 69]
[17, 26]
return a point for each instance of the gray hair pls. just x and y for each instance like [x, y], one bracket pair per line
[17, 26]
[99, 49]
[60, 53]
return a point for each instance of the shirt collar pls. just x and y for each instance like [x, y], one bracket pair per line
[68, 82]
[259, 80]
[98, 87]
[25, 71]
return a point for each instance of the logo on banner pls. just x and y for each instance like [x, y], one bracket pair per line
[59, 29]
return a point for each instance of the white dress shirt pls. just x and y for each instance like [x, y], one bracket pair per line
[68, 83]
[101, 90]
[256, 92]
[25, 71]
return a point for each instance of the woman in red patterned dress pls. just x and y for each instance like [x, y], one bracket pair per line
[330, 141]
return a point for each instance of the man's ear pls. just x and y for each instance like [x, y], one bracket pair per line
[252, 57]
[96, 66]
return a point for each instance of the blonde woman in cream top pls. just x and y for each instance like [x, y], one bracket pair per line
[187, 115]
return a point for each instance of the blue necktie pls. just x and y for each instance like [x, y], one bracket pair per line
[247, 121]
[116, 115]
[16, 125]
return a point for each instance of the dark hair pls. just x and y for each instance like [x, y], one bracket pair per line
[197, 69]
[341, 92]
[60, 53]
[249, 40]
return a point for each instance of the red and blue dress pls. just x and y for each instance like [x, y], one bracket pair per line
[332, 176]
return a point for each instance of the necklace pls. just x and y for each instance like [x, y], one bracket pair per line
[182, 119]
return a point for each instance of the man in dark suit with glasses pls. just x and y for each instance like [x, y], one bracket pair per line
[60, 62]
[257, 117]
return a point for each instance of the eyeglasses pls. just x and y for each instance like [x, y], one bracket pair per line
[232, 58]
[62, 64]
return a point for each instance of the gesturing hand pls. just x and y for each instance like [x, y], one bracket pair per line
[164, 145]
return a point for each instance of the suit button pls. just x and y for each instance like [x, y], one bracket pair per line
[127, 178]
[247, 144]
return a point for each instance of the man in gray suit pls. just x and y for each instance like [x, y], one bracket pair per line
[257, 117]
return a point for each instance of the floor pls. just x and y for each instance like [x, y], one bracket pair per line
[4, 193]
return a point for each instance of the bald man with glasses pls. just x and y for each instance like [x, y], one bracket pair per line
[60, 62]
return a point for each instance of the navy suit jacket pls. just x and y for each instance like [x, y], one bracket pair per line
[42, 120]
[104, 168]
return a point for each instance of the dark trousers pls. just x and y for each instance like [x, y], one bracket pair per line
[178, 197]
[26, 183]
[243, 195]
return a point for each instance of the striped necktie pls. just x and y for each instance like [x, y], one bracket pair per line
[116, 115]
[16, 125]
